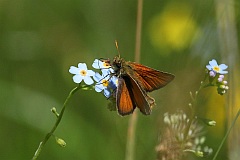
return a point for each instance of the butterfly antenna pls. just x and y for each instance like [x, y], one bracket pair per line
[116, 44]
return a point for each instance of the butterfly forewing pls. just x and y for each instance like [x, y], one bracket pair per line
[124, 102]
[150, 79]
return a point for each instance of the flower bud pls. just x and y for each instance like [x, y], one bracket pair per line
[54, 111]
[60, 142]
[222, 86]
[208, 122]
[199, 154]
[220, 79]
[221, 76]
[212, 74]
[212, 123]
[196, 93]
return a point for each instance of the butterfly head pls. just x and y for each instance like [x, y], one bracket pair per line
[117, 63]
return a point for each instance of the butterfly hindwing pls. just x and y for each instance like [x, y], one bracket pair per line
[140, 97]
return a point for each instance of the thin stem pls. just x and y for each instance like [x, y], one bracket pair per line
[193, 103]
[138, 31]
[192, 106]
[48, 135]
[226, 135]
[131, 137]
[133, 119]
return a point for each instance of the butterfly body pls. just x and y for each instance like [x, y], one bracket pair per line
[134, 81]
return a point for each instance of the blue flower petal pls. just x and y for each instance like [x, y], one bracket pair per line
[209, 67]
[213, 63]
[88, 80]
[90, 73]
[97, 64]
[74, 70]
[97, 77]
[107, 93]
[113, 82]
[223, 66]
[98, 88]
[111, 70]
[82, 66]
[77, 78]
[107, 71]
[223, 72]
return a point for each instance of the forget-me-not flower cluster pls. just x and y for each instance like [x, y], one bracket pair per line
[216, 75]
[106, 81]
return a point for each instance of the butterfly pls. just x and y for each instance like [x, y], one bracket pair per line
[134, 82]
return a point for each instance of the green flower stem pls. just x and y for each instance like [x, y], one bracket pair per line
[59, 118]
[193, 102]
[192, 105]
[226, 135]
[130, 144]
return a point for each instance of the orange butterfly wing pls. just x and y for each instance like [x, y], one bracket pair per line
[129, 95]
[142, 100]
[125, 104]
[150, 79]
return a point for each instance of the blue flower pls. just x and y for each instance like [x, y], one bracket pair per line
[102, 84]
[105, 66]
[105, 83]
[213, 66]
[82, 73]
[100, 64]
[113, 82]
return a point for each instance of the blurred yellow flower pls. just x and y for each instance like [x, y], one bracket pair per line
[174, 28]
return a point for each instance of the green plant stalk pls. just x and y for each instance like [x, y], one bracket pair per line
[130, 146]
[226, 135]
[192, 104]
[48, 135]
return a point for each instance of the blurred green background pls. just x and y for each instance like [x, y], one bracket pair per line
[40, 40]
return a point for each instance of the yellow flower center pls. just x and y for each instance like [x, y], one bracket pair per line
[105, 83]
[216, 68]
[83, 72]
[106, 65]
